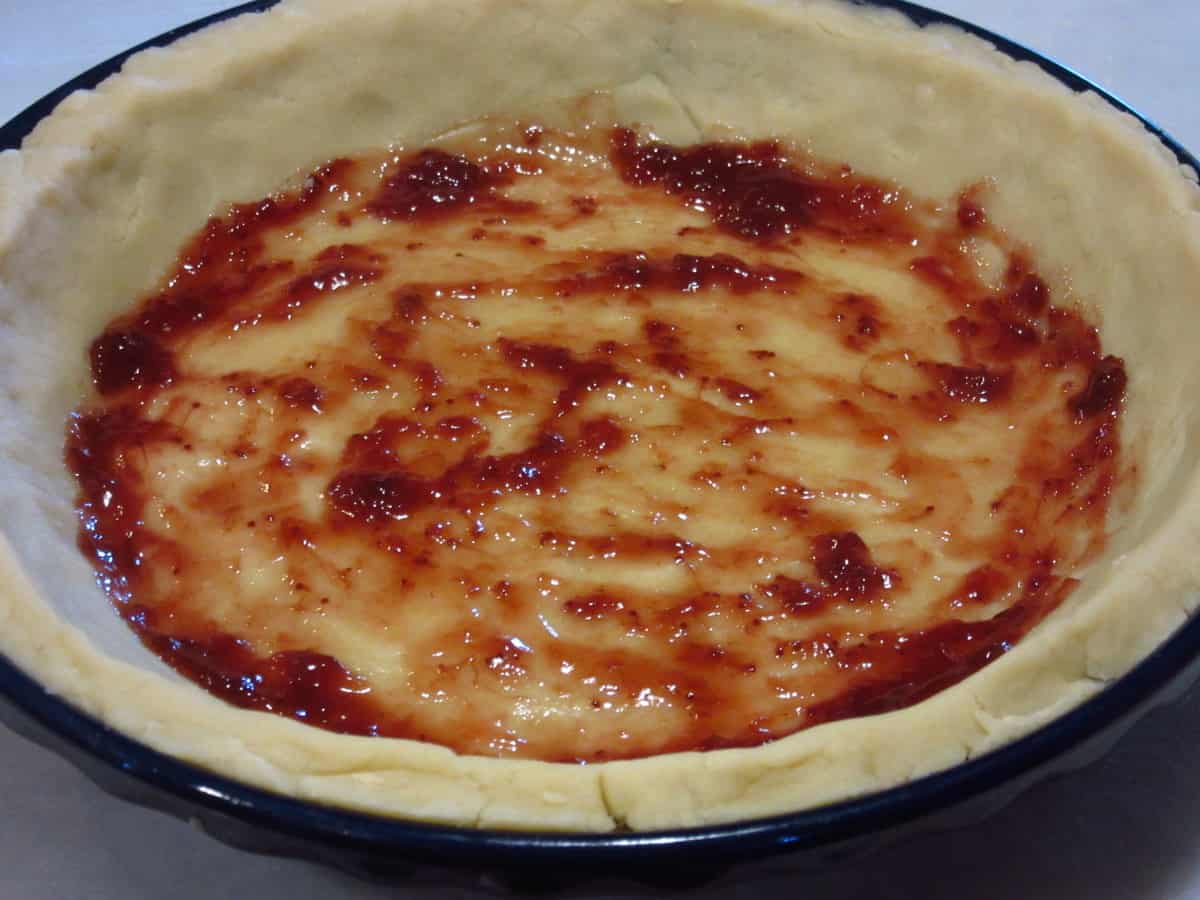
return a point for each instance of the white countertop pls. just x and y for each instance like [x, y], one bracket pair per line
[1125, 828]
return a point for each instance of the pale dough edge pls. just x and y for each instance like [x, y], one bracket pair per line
[1132, 599]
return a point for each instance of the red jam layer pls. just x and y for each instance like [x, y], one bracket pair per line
[583, 447]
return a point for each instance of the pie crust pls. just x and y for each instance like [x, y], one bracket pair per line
[102, 194]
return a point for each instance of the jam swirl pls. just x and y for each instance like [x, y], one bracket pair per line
[534, 457]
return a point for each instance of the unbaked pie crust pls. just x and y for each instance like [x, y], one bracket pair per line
[103, 193]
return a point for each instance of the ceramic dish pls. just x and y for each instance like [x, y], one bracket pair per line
[249, 816]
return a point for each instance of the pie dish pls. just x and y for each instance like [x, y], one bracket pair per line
[1095, 636]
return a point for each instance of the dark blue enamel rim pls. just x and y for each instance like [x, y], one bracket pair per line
[387, 838]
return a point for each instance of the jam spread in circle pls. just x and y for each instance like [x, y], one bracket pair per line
[584, 447]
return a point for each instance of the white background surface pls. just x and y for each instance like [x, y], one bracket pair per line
[1127, 828]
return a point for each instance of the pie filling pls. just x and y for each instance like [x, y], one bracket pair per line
[579, 446]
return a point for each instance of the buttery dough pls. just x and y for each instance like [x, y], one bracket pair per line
[96, 203]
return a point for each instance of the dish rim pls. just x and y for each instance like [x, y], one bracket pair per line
[827, 825]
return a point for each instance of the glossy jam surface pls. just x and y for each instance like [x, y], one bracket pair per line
[576, 446]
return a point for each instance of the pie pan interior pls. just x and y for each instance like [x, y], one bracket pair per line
[1131, 244]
